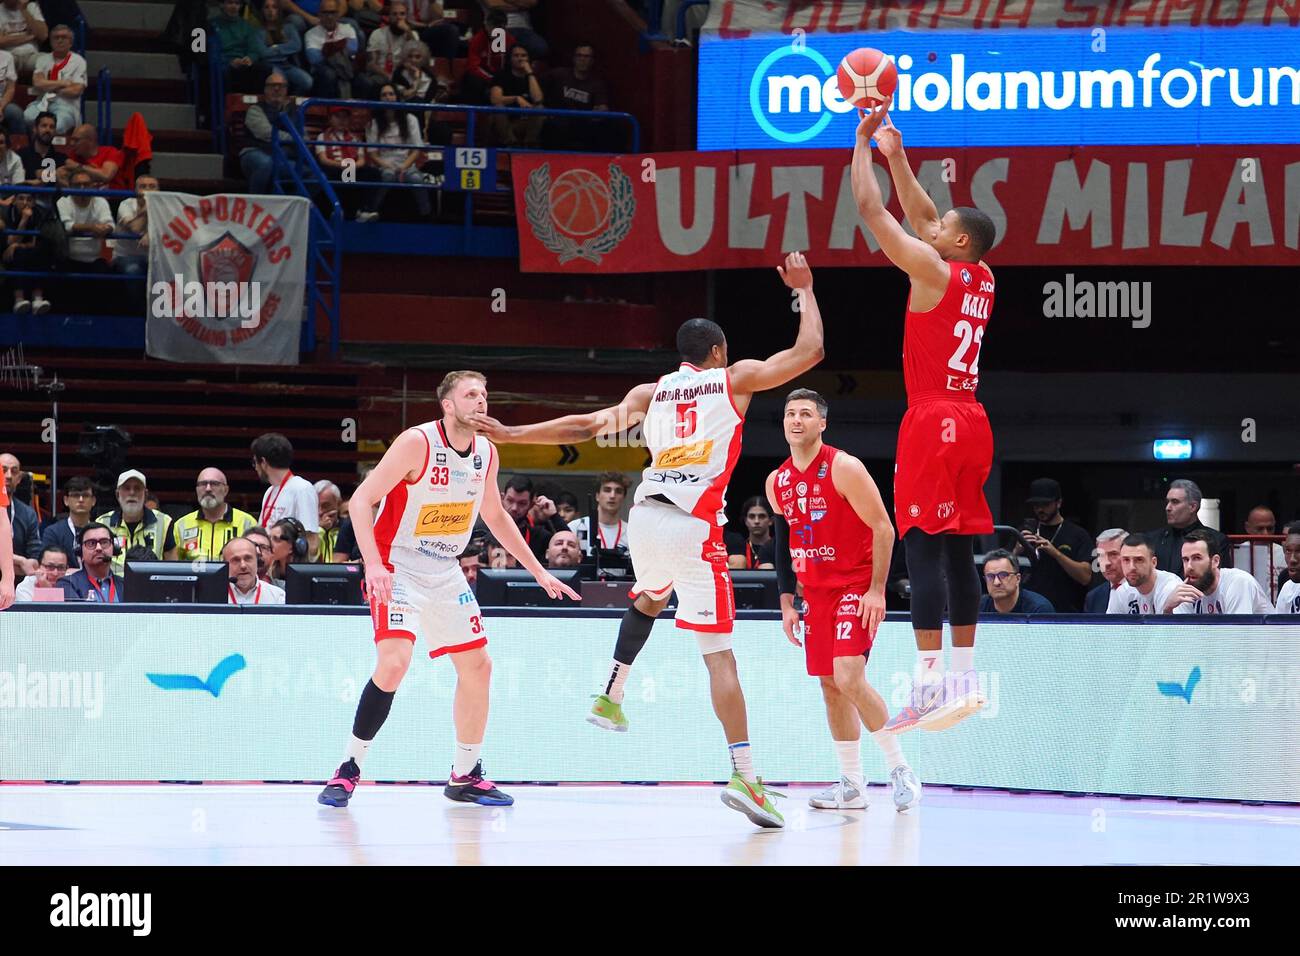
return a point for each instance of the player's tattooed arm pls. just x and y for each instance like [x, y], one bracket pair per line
[917, 205]
[571, 428]
[757, 375]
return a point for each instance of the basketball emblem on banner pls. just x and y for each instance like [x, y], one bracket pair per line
[580, 215]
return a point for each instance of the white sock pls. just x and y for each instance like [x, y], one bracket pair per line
[357, 749]
[849, 753]
[928, 668]
[466, 758]
[742, 759]
[617, 678]
[963, 659]
[891, 748]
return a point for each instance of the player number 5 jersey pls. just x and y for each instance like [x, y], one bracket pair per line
[692, 431]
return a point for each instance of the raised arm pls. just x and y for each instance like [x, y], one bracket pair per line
[571, 428]
[915, 257]
[757, 375]
[917, 205]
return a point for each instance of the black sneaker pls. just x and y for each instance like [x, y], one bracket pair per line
[338, 791]
[472, 788]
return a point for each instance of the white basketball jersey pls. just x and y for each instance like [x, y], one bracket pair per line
[692, 430]
[426, 523]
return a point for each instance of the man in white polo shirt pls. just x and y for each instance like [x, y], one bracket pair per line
[60, 79]
[1210, 589]
[287, 495]
[240, 556]
[1146, 589]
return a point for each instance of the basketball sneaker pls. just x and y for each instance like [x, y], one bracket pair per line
[961, 698]
[907, 788]
[607, 714]
[473, 788]
[926, 698]
[338, 791]
[753, 800]
[844, 795]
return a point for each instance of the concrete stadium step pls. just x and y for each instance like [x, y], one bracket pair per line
[157, 116]
[126, 15]
[142, 91]
[138, 41]
[174, 166]
[141, 66]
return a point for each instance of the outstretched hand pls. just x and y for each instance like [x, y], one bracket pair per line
[872, 118]
[488, 426]
[888, 139]
[796, 274]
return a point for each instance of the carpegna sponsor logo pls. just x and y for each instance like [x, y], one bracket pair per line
[78, 909]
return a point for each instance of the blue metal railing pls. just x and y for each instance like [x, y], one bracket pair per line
[654, 19]
[104, 106]
[216, 93]
[79, 34]
[54, 191]
[680, 33]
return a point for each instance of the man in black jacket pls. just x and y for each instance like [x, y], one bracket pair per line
[95, 581]
[536, 516]
[1182, 502]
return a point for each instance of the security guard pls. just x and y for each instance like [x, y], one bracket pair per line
[132, 523]
[204, 532]
[330, 500]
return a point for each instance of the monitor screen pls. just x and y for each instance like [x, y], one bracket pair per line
[337, 584]
[514, 587]
[175, 582]
[755, 590]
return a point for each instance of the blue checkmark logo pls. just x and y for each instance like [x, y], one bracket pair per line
[216, 680]
[1175, 689]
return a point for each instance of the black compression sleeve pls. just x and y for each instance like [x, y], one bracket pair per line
[785, 576]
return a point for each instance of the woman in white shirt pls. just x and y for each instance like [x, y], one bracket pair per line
[399, 159]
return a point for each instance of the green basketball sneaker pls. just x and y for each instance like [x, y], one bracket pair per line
[607, 714]
[754, 801]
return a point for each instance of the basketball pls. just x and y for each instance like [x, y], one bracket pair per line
[866, 76]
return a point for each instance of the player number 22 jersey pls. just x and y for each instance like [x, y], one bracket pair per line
[941, 347]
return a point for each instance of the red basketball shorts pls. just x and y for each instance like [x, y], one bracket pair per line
[832, 628]
[945, 451]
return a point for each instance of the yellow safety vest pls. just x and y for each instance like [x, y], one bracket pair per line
[328, 541]
[150, 532]
[197, 537]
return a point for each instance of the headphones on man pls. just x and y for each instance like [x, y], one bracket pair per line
[81, 533]
[300, 544]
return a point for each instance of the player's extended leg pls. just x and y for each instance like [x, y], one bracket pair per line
[962, 695]
[372, 710]
[470, 713]
[850, 680]
[924, 574]
[633, 632]
[846, 733]
[745, 792]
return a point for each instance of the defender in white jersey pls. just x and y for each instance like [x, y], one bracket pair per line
[1146, 588]
[429, 488]
[691, 419]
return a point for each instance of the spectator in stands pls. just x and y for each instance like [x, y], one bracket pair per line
[611, 530]
[535, 515]
[261, 539]
[562, 551]
[100, 163]
[97, 580]
[131, 256]
[22, 31]
[1182, 502]
[301, 13]
[330, 48]
[498, 558]
[41, 161]
[288, 495]
[412, 78]
[1111, 568]
[133, 523]
[577, 87]
[53, 565]
[260, 123]
[344, 160]
[201, 534]
[243, 53]
[60, 79]
[440, 35]
[1261, 559]
[289, 545]
[401, 159]
[1006, 596]
[22, 519]
[24, 253]
[516, 87]
[1062, 568]
[1288, 595]
[14, 119]
[470, 563]
[566, 506]
[369, 14]
[1208, 588]
[240, 556]
[757, 548]
[328, 501]
[11, 168]
[88, 221]
[79, 499]
[488, 55]
[519, 23]
[1147, 588]
[387, 48]
[283, 43]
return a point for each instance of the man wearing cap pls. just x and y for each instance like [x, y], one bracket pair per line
[1062, 568]
[202, 534]
[132, 523]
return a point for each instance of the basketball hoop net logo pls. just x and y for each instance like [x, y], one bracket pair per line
[579, 216]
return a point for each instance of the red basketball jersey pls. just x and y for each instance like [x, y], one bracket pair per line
[941, 347]
[830, 544]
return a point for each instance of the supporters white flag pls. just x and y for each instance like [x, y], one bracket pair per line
[227, 274]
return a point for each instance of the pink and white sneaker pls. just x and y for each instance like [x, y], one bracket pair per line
[926, 699]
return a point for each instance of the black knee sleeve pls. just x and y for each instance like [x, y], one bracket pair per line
[925, 576]
[632, 635]
[372, 711]
[963, 580]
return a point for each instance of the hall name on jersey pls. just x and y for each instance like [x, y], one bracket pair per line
[686, 394]
[976, 306]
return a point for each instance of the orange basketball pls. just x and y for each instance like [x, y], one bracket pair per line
[579, 202]
[866, 76]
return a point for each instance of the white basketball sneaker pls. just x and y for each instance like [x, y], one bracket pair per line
[844, 795]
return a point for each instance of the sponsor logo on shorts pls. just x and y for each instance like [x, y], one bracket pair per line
[682, 456]
[914, 511]
[444, 518]
[465, 597]
[946, 509]
[396, 617]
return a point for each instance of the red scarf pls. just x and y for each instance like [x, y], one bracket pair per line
[58, 67]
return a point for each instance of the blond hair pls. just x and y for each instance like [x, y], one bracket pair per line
[450, 380]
